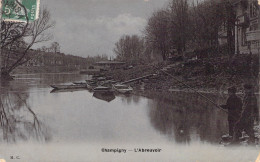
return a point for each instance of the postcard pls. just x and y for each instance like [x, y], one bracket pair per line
[129, 80]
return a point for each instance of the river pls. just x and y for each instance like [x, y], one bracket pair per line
[37, 125]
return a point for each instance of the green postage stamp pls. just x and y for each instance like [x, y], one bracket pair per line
[14, 10]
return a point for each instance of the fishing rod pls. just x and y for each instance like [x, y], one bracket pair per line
[209, 100]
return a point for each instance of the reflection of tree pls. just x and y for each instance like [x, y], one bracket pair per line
[105, 96]
[129, 99]
[17, 119]
[183, 116]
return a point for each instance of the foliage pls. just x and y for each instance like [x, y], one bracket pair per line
[182, 27]
[156, 33]
[129, 48]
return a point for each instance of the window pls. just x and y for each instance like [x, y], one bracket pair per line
[243, 35]
[253, 10]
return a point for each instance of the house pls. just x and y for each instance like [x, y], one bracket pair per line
[247, 29]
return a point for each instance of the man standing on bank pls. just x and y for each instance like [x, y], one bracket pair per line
[234, 107]
[249, 114]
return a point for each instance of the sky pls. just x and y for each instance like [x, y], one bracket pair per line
[92, 27]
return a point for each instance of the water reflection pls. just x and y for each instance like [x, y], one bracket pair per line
[129, 99]
[17, 118]
[186, 116]
[105, 96]
[46, 79]
[172, 117]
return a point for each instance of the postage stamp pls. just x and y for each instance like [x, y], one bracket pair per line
[14, 10]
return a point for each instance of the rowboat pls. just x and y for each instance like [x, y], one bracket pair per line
[73, 86]
[65, 90]
[79, 83]
[91, 85]
[108, 82]
[101, 79]
[102, 89]
[91, 81]
[122, 88]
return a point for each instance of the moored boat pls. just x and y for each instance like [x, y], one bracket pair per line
[102, 89]
[122, 88]
[79, 83]
[66, 90]
[91, 85]
[73, 86]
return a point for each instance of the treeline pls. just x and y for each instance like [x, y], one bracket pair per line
[181, 27]
[42, 58]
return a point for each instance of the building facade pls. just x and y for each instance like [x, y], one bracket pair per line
[247, 29]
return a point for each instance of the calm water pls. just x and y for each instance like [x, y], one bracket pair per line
[75, 126]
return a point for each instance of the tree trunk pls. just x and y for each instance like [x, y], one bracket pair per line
[230, 27]
[164, 56]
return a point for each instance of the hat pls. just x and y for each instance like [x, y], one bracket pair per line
[232, 89]
[248, 86]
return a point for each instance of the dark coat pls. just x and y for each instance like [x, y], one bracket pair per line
[234, 107]
[250, 109]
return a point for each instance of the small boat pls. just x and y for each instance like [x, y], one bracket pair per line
[79, 83]
[91, 85]
[101, 79]
[73, 86]
[97, 75]
[110, 81]
[122, 88]
[66, 90]
[102, 89]
[91, 81]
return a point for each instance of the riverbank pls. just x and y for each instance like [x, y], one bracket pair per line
[208, 75]
[44, 69]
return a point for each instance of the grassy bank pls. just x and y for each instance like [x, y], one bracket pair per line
[214, 74]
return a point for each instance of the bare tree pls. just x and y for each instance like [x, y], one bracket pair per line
[55, 47]
[169, 28]
[129, 48]
[156, 32]
[20, 37]
[179, 24]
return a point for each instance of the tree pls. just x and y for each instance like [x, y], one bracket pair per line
[156, 32]
[179, 24]
[44, 49]
[210, 19]
[55, 47]
[169, 28]
[129, 48]
[18, 38]
[230, 20]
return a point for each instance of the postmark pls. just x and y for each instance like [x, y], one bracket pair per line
[16, 10]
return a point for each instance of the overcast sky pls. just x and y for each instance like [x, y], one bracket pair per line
[91, 27]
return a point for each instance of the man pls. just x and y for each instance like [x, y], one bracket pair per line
[234, 107]
[250, 112]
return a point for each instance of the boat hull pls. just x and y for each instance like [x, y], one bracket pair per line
[68, 86]
[124, 89]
